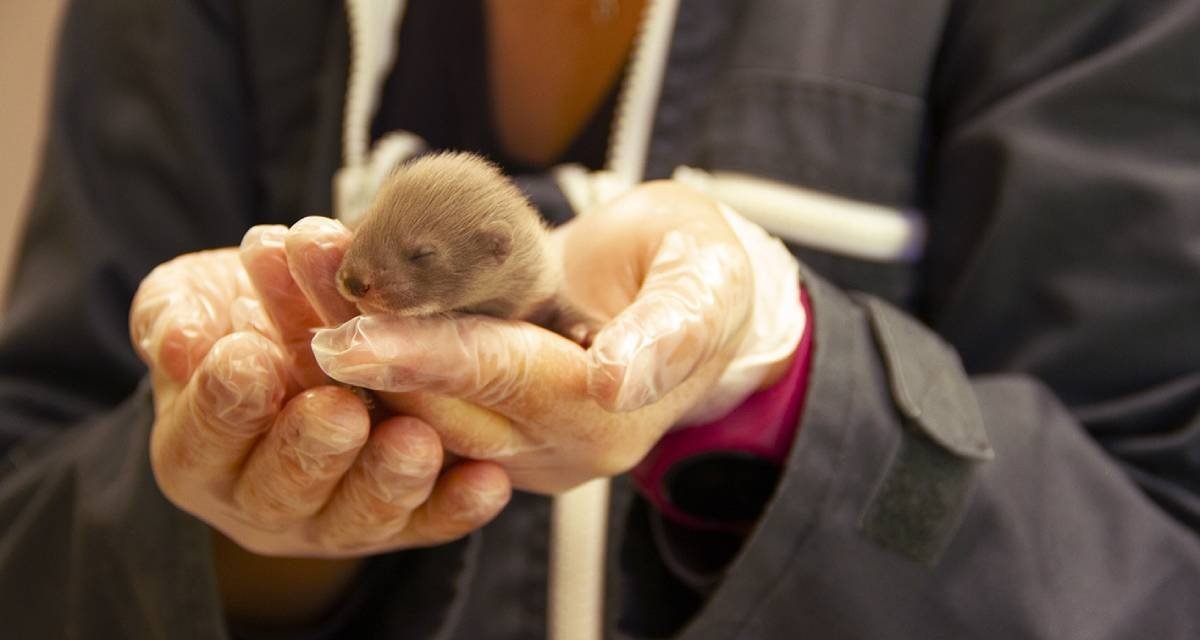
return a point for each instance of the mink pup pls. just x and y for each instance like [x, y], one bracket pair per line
[448, 232]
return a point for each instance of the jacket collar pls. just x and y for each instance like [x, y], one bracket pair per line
[374, 25]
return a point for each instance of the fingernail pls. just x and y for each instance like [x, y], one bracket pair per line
[318, 235]
[264, 235]
[334, 341]
[331, 346]
[318, 226]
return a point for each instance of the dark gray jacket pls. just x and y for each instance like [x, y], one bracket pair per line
[1050, 491]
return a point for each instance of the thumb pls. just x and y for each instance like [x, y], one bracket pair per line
[480, 359]
[481, 382]
[693, 303]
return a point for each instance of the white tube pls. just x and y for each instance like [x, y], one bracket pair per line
[579, 526]
[811, 218]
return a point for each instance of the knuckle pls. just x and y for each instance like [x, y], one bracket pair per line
[414, 458]
[178, 294]
[373, 498]
[360, 521]
[381, 492]
[241, 382]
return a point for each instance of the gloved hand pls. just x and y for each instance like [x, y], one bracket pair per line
[661, 262]
[251, 437]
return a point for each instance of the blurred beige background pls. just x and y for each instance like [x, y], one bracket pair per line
[28, 30]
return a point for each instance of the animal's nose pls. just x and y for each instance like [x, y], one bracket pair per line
[355, 287]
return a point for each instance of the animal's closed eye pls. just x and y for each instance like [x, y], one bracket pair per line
[421, 254]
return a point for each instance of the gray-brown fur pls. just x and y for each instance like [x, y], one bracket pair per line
[449, 232]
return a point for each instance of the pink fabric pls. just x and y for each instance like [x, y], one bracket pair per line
[764, 425]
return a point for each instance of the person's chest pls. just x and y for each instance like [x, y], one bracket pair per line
[527, 83]
[549, 66]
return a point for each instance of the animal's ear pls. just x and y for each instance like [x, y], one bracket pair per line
[497, 242]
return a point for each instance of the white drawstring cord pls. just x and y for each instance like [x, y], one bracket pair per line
[374, 29]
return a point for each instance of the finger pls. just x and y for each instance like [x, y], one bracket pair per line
[465, 429]
[693, 302]
[181, 309]
[469, 495]
[265, 259]
[297, 465]
[512, 367]
[315, 248]
[248, 314]
[214, 423]
[393, 475]
[491, 388]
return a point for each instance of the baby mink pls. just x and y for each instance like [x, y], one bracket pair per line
[448, 232]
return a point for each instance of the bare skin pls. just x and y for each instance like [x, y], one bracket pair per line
[551, 63]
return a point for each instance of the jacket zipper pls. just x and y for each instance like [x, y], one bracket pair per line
[633, 122]
[372, 25]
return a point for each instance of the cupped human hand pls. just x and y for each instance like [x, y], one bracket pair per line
[666, 269]
[252, 438]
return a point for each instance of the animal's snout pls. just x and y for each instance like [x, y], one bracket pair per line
[354, 286]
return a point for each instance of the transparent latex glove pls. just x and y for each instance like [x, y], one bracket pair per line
[662, 262]
[777, 320]
[251, 437]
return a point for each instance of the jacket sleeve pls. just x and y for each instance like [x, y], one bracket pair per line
[146, 158]
[153, 151]
[1021, 462]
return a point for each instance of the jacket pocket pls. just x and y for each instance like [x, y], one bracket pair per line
[918, 504]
